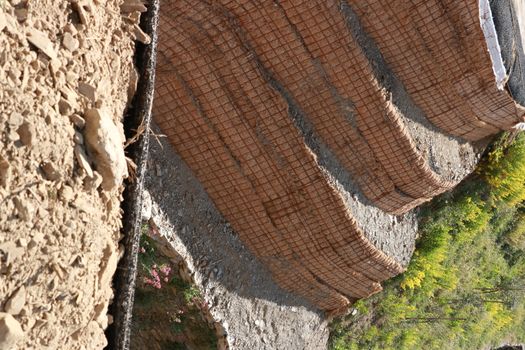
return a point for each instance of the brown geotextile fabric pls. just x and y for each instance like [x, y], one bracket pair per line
[229, 75]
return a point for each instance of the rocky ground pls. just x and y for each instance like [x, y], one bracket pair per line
[66, 77]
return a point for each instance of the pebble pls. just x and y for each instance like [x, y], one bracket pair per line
[42, 42]
[70, 42]
[25, 209]
[70, 28]
[78, 7]
[26, 132]
[77, 120]
[50, 171]
[78, 138]
[64, 107]
[5, 172]
[66, 194]
[3, 20]
[131, 6]
[140, 35]
[83, 160]
[16, 303]
[10, 331]
[87, 90]
[15, 120]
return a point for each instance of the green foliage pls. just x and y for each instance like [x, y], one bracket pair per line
[191, 293]
[167, 310]
[465, 285]
[505, 171]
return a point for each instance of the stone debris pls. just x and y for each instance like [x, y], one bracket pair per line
[87, 90]
[24, 208]
[3, 20]
[77, 120]
[50, 170]
[132, 6]
[16, 303]
[133, 83]
[70, 42]
[83, 160]
[5, 173]
[15, 120]
[42, 42]
[78, 6]
[140, 35]
[56, 61]
[11, 252]
[26, 132]
[21, 14]
[67, 194]
[105, 143]
[78, 138]
[10, 331]
[64, 107]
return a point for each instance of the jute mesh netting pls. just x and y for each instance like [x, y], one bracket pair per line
[229, 73]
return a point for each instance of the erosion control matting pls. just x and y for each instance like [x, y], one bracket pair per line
[137, 120]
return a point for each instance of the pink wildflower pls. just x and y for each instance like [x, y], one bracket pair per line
[165, 269]
[155, 280]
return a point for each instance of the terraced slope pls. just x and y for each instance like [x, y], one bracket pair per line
[315, 125]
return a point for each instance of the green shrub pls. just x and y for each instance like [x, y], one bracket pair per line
[464, 287]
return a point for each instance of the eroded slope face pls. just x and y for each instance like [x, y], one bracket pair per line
[305, 145]
[59, 228]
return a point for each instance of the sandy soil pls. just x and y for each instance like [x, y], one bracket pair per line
[66, 76]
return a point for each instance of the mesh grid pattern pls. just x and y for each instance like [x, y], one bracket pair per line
[437, 49]
[216, 103]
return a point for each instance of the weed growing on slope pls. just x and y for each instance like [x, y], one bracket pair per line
[168, 312]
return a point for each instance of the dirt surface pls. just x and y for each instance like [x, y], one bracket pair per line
[65, 72]
[254, 312]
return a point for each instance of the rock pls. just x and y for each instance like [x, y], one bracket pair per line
[64, 107]
[105, 143]
[87, 90]
[83, 160]
[79, 8]
[108, 265]
[67, 194]
[70, 28]
[21, 14]
[77, 120]
[140, 35]
[69, 42]
[100, 315]
[50, 171]
[5, 172]
[3, 20]
[78, 138]
[42, 42]
[16, 303]
[132, 6]
[26, 132]
[25, 210]
[15, 120]
[133, 83]
[10, 331]
[11, 251]
[93, 182]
